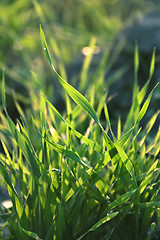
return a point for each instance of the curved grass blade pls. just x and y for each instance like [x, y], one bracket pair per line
[15, 198]
[128, 164]
[3, 92]
[66, 152]
[83, 103]
[25, 148]
[62, 149]
[148, 178]
[126, 136]
[43, 176]
[87, 141]
[7, 179]
[136, 67]
[145, 106]
[120, 200]
[74, 94]
[45, 47]
[30, 234]
[141, 94]
[79, 99]
[79, 183]
[152, 66]
[147, 205]
[27, 152]
[143, 91]
[149, 127]
[107, 218]
[86, 64]
[125, 159]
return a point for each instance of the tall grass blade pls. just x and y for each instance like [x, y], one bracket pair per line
[109, 217]
[145, 105]
[66, 152]
[27, 152]
[86, 64]
[45, 47]
[84, 139]
[136, 68]
[143, 91]
[148, 178]
[3, 92]
[107, 116]
[120, 200]
[152, 66]
[6, 152]
[125, 159]
[14, 196]
[77, 97]
[149, 127]
[147, 205]
[7, 179]
[126, 137]
[73, 93]
[30, 234]
[136, 61]
[86, 106]
[20, 140]
[119, 128]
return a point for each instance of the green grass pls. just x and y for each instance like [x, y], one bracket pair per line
[72, 24]
[67, 183]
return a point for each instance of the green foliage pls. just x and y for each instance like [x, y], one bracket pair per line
[66, 183]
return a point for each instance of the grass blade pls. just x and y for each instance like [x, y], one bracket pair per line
[136, 63]
[152, 64]
[86, 64]
[84, 139]
[99, 223]
[73, 93]
[125, 159]
[145, 106]
[120, 200]
[148, 178]
[3, 92]
[7, 179]
[20, 140]
[27, 152]
[66, 152]
[86, 106]
[30, 234]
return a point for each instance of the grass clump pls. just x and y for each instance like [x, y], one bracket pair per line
[72, 185]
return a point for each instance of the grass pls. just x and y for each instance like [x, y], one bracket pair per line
[67, 183]
[72, 24]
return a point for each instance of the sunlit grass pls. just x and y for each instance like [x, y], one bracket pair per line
[70, 182]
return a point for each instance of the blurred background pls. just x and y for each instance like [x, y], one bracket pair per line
[69, 26]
